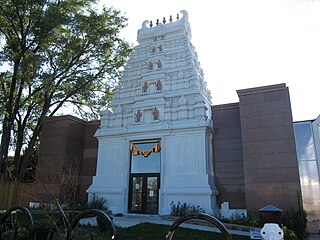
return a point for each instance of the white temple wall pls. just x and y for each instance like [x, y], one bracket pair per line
[111, 180]
[183, 154]
[186, 174]
[187, 177]
[162, 95]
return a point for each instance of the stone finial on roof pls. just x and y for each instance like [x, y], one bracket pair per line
[162, 25]
[164, 21]
[145, 24]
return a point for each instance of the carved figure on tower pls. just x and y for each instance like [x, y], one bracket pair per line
[145, 87]
[150, 65]
[156, 114]
[138, 116]
[159, 63]
[159, 85]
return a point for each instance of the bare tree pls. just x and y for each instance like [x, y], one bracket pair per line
[54, 189]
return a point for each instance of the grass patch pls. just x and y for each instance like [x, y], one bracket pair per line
[142, 231]
[147, 231]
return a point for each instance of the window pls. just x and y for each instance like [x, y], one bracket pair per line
[145, 157]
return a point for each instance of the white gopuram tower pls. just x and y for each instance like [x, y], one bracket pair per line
[155, 139]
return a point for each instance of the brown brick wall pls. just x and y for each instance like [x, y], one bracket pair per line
[269, 157]
[66, 142]
[228, 161]
[90, 154]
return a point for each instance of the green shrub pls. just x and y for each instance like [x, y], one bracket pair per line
[20, 232]
[289, 234]
[237, 219]
[297, 222]
[97, 203]
[184, 209]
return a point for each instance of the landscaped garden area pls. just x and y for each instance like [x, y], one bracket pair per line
[149, 231]
[53, 224]
[142, 231]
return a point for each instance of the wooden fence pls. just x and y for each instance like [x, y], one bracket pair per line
[12, 194]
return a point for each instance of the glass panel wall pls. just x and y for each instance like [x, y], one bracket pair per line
[308, 168]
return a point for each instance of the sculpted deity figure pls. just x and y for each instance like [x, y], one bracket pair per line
[159, 63]
[138, 116]
[159, 85]
[150, 65]
[145, 87]
[156, 114]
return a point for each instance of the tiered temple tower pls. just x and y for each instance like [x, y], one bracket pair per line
[155, 138]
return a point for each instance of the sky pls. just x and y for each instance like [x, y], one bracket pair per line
[246, 43]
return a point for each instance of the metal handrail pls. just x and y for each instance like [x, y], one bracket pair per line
[95, 212]
[27, 212]
[214, 221]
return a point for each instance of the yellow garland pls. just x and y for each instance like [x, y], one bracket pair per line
[136, 151]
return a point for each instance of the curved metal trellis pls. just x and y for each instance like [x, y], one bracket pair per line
[215, 222]
[91, 212]
[26, 212]
[102, 215]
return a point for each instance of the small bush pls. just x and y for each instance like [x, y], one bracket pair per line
[297, 222]
[184, 209]
[237, 219]
[289, 234]
[97, 203]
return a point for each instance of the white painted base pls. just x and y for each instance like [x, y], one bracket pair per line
[186, 174]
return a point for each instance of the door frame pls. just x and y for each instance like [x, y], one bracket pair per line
[144, 191]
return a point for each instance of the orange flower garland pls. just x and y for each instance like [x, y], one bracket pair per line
[136, 151]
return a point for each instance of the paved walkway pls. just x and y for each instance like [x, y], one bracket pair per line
[314, 237]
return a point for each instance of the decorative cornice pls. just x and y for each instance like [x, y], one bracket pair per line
[71, 118]
[225, 106]
[269, 88]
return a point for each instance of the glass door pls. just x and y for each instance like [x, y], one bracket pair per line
[144, 190]
[136, 194]
[152, 194]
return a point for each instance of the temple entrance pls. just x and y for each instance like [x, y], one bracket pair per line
[144, 193]
[144, 182]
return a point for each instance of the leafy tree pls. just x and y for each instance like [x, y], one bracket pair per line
[53, 54]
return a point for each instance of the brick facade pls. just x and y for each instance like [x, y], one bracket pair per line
[254, 151]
